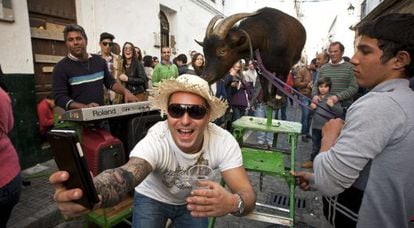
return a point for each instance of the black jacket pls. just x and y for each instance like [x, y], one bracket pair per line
[137, 79]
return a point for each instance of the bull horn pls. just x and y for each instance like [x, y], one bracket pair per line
[211, 24]
[225, 25]
[199, 43]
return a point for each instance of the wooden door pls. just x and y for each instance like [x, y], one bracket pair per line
[47, 21]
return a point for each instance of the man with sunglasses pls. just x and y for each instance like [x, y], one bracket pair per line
[158, 164]
[114, 64]
[78, 78]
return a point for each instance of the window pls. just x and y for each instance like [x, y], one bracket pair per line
[6, 11]
[165, 30]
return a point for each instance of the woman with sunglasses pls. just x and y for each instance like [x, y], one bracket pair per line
[158, 168]
[134, 77]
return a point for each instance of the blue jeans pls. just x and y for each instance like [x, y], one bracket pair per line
[9, 197]
[238, 112]
[265, 137]
[304, 120]
[152, 213]
[282, 112]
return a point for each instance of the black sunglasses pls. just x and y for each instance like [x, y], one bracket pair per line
[194, 111]
[107, 43]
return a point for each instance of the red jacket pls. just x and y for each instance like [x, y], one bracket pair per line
[45, 114]
[9, 162]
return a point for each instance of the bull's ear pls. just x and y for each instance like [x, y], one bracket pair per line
[199, 43]
[238, 40]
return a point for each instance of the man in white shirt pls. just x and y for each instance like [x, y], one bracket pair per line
[250, 74]
[159, 162]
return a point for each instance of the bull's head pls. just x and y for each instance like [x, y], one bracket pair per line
[223, 45]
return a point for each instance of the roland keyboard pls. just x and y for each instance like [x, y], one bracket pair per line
[107, 111]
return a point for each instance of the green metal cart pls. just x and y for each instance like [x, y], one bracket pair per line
[269, 162]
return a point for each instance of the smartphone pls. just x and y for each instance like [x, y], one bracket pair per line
[69, 157]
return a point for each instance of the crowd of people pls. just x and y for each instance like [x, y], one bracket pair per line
[347, 157]
[357, 111]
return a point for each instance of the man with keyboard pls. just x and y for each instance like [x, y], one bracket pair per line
[78, 78]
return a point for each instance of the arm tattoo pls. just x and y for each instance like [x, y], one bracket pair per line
[114, 184]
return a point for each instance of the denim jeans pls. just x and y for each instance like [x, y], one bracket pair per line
[9, 196]
[304, 120]
[316, 142]
[282, 111]
[238, 112]
[265, 137]
[152, 213]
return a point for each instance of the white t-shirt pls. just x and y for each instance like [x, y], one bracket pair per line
[220, 151]
[250, 76]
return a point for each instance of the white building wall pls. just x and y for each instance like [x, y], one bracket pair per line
[138, 22]
[15, 44]
[339, 23]
[191, 20]
[342, 31]
[345, 33]
[133, 21]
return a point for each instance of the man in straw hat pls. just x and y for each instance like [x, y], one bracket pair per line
[158, 164]
[366, 162]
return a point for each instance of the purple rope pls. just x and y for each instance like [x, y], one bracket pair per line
[279, 84]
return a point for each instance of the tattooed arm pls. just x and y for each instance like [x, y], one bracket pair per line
[114, 184]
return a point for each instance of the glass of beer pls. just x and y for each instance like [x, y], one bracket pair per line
[199, 173]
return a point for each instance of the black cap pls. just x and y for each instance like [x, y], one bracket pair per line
[106, 35]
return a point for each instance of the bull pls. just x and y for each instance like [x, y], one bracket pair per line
[279, 37]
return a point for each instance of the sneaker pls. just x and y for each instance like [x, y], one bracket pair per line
[307, 164]
[260, 142]
[305, 139]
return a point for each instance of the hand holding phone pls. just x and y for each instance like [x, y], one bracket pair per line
[69, 157]
[66, 199]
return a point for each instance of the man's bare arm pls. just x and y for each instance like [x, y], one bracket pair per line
[114, 184]
[214, 200]
[330, 132]
[237, 180]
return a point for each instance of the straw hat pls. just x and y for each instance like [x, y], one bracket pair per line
[187, 83]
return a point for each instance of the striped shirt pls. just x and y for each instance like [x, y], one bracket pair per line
[344, 84]
[82, 82]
